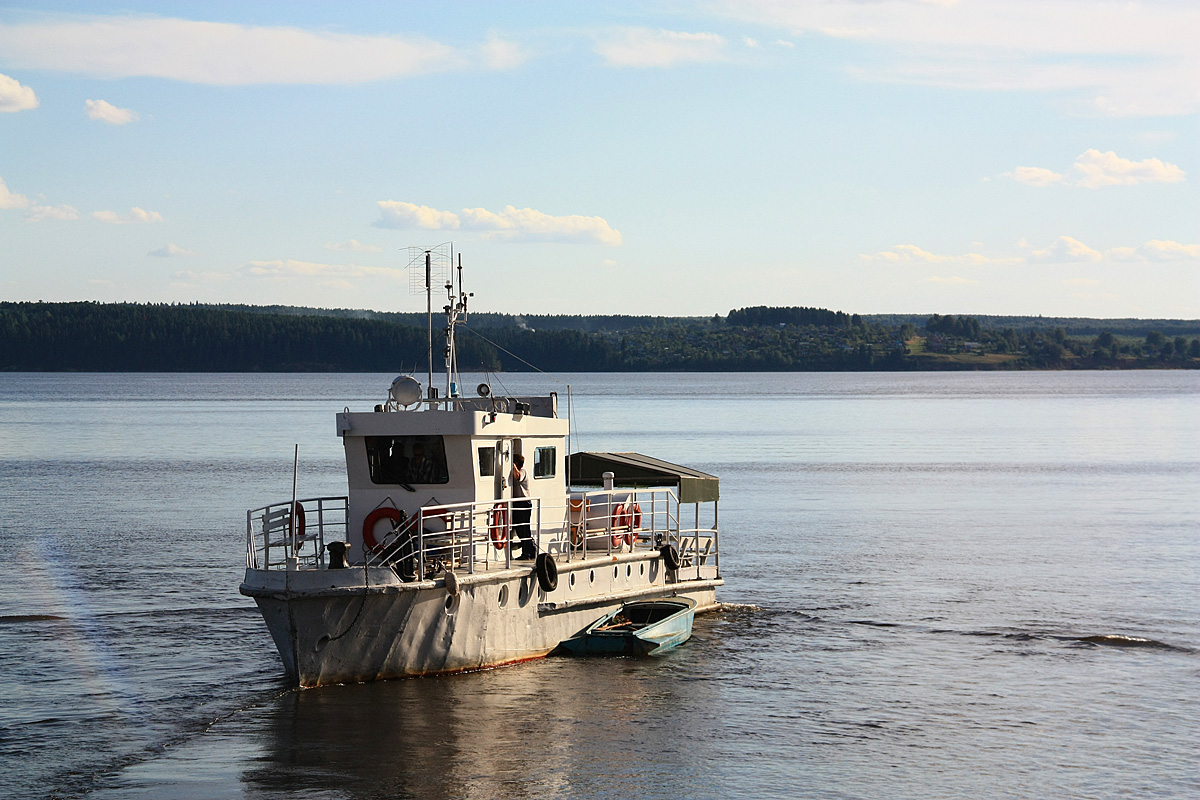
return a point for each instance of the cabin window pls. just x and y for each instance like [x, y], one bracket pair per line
[544, 462]
[407, 459]
[487, 461]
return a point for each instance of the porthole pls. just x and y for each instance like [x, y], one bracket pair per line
[591, 576]
[642, 568]
[616, 572]
[504, 596]
[572, 580]
[628, 570]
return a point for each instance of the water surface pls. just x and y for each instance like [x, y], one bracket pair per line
[942, 585]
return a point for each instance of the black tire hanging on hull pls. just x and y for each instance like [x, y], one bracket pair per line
[547, 572]
[670, 556]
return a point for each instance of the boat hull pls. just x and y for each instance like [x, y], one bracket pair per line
[355, 625]
[654, 638]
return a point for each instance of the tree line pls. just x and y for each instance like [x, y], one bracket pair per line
[195, 338]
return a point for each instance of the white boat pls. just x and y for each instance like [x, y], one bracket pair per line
[416, 570]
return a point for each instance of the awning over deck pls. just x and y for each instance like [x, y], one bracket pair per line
[636, 471]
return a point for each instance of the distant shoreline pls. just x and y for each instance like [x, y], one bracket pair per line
[124, 337]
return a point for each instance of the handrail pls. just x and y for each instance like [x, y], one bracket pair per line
[480, 535]
[328, 515]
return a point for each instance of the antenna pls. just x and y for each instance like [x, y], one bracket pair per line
[456, 311]
[437, 262]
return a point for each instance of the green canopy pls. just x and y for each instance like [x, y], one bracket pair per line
[636, 471]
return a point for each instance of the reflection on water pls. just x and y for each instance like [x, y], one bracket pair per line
[614, 728]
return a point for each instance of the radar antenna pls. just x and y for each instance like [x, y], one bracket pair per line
[437, 262]
[439, 268]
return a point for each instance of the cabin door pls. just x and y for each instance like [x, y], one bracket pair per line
[503, 479]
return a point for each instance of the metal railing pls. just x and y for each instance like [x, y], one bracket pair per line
[482, 535]
[283, 531]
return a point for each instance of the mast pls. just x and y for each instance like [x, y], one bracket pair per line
[456, 311]
[439, 269]
[429, 316]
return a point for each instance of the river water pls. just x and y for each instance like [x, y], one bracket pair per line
[940, 585]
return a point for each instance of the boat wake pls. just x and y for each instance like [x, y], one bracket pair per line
[1120, 640]
[1080, 640]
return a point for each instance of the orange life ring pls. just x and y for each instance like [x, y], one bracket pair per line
[577, 519]
[296, 522]
[637, 517]
[576, 505]
[498, 525]
[621, 519]
[383, 512]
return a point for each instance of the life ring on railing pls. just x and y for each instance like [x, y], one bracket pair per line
[577, 519]
[498, 525]
[383, 512]
[296, 522]
[577, 506]
[625, 518]
[621, 520]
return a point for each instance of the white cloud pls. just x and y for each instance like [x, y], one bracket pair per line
[1066, 250]
[1036, 176]
[511, 224]
[1096, 169]
[749, 42]
[1080, 282]
[135, 215]
[42, 213]
[527, 224]
[783, 43]
[107, 112]
[1116, 59]
[1156, 250]
[354, 246]
[911, 254]
[1109, 169]
[290, 268]
[9, 199]
[497, 53]
[641, 47]
[14, 96]
[172, 250]
[397, 214]
[216, 52]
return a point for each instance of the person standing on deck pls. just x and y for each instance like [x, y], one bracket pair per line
[522, 509]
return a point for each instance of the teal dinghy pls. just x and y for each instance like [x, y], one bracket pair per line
[645, 628]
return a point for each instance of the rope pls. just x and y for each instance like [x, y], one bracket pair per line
[509, 352]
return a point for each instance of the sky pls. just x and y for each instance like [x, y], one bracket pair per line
[676, 158]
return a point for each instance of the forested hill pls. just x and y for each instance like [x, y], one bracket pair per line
[753, 316]
[146, 337]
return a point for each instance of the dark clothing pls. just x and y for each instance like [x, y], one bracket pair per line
[522, 511]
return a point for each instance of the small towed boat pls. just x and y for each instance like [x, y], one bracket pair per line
[645, 628]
